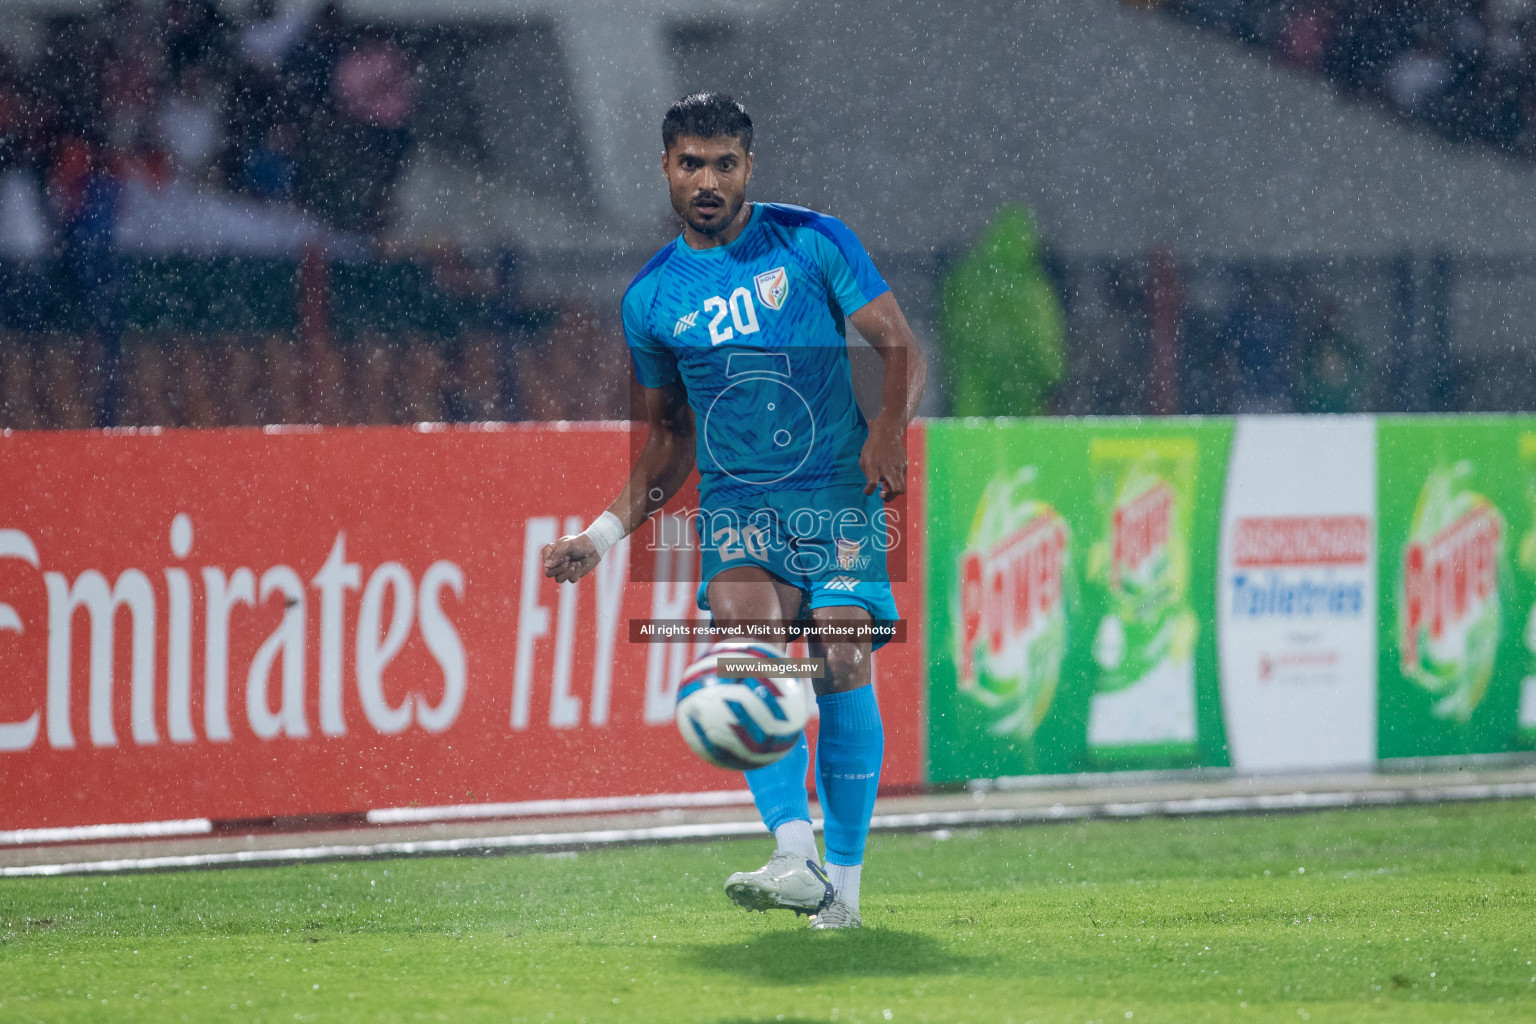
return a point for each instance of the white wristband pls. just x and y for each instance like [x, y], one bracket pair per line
[605, 532]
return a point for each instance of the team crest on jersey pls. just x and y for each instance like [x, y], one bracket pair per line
[773, 287]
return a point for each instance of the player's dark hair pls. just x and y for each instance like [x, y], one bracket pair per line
[707, 115]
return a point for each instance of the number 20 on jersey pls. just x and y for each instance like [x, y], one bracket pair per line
[740, 308]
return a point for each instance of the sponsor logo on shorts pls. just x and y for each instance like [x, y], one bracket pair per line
[848, 583]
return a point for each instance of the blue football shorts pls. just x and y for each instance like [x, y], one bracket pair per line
[830, 543]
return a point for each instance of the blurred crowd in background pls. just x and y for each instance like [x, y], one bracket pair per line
[1025, 331]
[1466, 68]
[177, 126]
[144, 143]
[147, 129]
[1019, 332]
[1271, 342]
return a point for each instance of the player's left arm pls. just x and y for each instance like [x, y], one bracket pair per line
[884, 458]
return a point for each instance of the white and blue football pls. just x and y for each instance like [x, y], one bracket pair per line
[739, 723]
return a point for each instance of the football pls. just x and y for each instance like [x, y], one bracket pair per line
[739, 723]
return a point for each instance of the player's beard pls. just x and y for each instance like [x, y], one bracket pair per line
[709, 229]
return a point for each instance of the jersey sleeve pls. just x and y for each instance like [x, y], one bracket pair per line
[655, 362]
[850, 274]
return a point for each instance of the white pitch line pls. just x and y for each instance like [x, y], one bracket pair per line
[917, 821]
[546, 808]
[417, 848]
[125, 830]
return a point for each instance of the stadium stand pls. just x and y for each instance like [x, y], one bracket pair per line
[166, 167]
[1464, 68]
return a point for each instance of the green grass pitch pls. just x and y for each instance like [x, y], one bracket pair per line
[1400, 915]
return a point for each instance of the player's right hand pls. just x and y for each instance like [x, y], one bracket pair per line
[570, 558]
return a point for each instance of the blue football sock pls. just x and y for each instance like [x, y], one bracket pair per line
[848, 752]
[779, 789]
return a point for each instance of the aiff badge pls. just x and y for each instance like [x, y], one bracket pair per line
[773, 287]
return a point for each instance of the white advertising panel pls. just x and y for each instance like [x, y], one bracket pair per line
[1296, 599]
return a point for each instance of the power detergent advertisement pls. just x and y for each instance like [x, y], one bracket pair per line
[1009, 607]
[1070, 601]
[1455, 504]
[1527, 710]
[1270, 593]
[1139, 589]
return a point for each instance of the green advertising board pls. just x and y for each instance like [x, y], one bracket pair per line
[1525, 731]
[1071, 595]
[1457, 528]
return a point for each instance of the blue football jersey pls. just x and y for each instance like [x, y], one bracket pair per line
[756, 331]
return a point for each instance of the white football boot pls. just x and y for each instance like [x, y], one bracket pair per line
[838, 914]
[789, 881]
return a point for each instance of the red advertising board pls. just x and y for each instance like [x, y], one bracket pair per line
[249, 624]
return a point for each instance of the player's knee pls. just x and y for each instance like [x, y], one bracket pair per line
[741, 598]
[847, 667]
